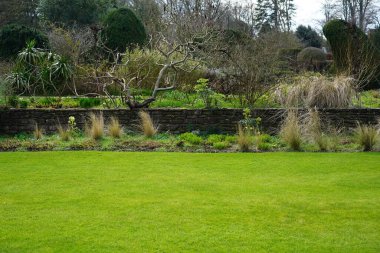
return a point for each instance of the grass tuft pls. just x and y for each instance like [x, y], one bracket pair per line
[318, 91]
[38, 132]
[64, 134]
[291, 131]
[367, 136]
[114, 128]
[147, 125]
[95, 128]
[244, 139]
[313, 127]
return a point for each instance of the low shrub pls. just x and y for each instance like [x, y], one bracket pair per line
[23, 103]
[214, 138]
[263, 146]
[49, 102]
[9, 145]
[291, 131]
[13, 102]
[220, 145]
[38, 146]
[312, 58]
[367, 136]
[263, 142]
[84, 145]
[191, 138]
[147, 125]
[89, 102]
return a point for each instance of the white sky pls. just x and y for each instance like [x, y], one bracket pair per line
[308, 12]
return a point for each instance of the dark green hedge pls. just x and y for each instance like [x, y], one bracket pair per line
[123, 29]
[353, 53]
[13, 39]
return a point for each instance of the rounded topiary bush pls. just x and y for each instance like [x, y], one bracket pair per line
[123, 29]
[312, 54]
[312, 58]
[13, 39]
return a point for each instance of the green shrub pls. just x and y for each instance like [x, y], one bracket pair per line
[82, 12]
[123, 29]
[230, 139]
[308, 36]
[263, 146]
[13, 101]
[23, 103]
[89, 102]
[13, 39]
[39, 71]
[49, 102]
[209, 97]
[191, 138]
[214, 138]
[220, 145]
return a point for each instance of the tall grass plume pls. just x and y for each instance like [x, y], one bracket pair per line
[95, 128]
[244, 138]
[147, 125]
[314, 129]
[367, 136]
[114, 128]
[37, 132]
[291, 131]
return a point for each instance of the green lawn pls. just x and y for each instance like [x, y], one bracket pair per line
[181, 202]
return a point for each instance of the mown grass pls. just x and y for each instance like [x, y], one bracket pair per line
[180, 202]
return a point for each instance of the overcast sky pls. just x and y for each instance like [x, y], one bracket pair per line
[308, 12]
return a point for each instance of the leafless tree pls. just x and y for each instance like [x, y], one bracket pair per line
[174, 57]
[362, 13]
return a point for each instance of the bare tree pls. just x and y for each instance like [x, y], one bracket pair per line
[174, 57]
[362, 13]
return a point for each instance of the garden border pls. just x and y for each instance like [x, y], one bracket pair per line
[13, 121]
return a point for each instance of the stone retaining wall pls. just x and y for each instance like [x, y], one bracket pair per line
[15, 121]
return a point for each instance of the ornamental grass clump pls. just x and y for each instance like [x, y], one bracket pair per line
[367, 136]
[64, 134]
[114, 128]
[291, 131]
[313, 128]
[37, 133]
[318, 91]
[95, 128]
[244, 138]
[147, 125]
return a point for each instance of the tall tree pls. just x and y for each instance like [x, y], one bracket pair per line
[277, 13]
[362, 13]
[308, 36]
[18, 11]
